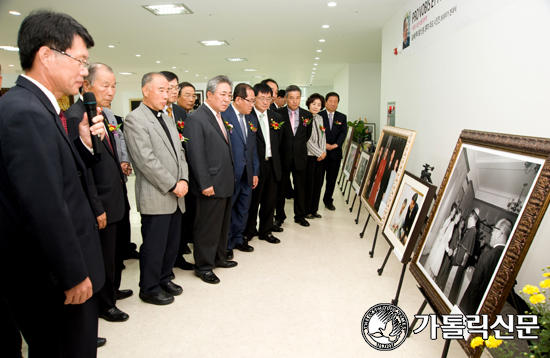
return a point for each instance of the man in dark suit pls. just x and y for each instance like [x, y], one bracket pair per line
[173, 111]
[186, 97]
[264, 196]
[336, 125]
[161, 183]
[247, 167]
[296, 133]
[107, 189]
[280, 101]
[412, 210]
[49, 230]
[212, 178]
[274, 90]
[485, 267]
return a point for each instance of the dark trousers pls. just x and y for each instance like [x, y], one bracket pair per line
[211, 231]
[157, 254]
[314, 183]
[331, 168]
[51, 328]
[299, 181]
[107, 295]
[10, 338]
[264, 197]
[239, 211]
[187, 226]
[125, 247]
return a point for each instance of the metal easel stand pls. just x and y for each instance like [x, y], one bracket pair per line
[364, 227]
[353, 204]
[358, 212]
[395, 301]
[371, 252]
[345, 187]
[381, 269]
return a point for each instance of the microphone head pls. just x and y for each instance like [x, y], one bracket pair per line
[89, 98]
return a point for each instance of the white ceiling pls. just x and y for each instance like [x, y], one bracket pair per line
[278, 37]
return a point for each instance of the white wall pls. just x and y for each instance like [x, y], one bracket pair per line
[491, 75]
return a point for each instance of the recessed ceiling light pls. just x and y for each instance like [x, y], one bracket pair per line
[250, 69]
[186, 71]
[205, 77]
[314, 68]
[258, 76]
[126, 73]
[322, 40]
[138, 55]
[214, 43]
[111, 46]
[319, 50]
[316, 58]
[168, 9]
[15, 13]
[197, 75]
[325, 26]
[314, 64]
[332, 4]
[9, 48]
[158, 61]
[10, 65]
[173, 66]
[312, 72]
[236, 59]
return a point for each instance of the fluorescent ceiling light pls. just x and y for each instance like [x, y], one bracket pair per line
[322, 40]
[158, 61]
[173, 66]
[319, 50]
[15, 13]
[214, 43]
[236, 59]
[325, 26]
[9, 48]
[316, 58]
[258, 76]
[314, 64]
[126, 73]
[138, 55]
[168, 9]
[111, 46]
[186, 71]
[314, 68]
[11, 65]
[250, 69]
[332, 4]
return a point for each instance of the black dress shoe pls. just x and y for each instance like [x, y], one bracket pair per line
[302, 222]
[162, 298]
[310, 216]
[208, 277]
[225, 264]
[330, 207]
[101, 341]
[186, 250]
[317, 216]
[229, 254]
[122, 294]
[277, 229]
[114, 315]
[183, 265]
[172, 288]
[278, 223]
[244, 247]
[271, 239]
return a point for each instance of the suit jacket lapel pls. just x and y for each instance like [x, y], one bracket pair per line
[234, 119]
[158, 128]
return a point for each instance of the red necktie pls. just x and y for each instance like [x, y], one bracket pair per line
[63, 121]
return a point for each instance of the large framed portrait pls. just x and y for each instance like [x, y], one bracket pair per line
[359, 174]
[408, 214]
[345, 146]
[350, 160]
[386, 170]
[492, 198]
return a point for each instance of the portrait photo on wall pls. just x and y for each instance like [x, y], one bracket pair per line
[386, 170]
[350, 160]
[407, 30]
[362, 167]
[473, 245]
[408, 214]
[199, 99]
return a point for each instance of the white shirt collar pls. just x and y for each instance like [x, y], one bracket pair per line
[47, 92]
[210, 108]
[236, 111]
[258, 113]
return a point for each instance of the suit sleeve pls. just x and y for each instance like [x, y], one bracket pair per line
[255, 158]
[37, 175]
[140, 148]
[184, 169]
[344, 130]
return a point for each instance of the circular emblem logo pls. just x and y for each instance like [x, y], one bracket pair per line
[385, 326]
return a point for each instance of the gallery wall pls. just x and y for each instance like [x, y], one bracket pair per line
[490, 75]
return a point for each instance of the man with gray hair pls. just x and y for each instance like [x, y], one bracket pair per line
[212, 178]
[154, 147]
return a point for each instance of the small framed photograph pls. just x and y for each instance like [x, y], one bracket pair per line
[489, 206]
[350, 160]
[199, 100]
[345, 146]
[362, 167]
[134, 103]
[370, 128]
[408, 214]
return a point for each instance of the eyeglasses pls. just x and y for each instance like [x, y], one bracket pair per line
[188, 96]
[249, 101]
[263, 99]
[173, 89]
[83, 63]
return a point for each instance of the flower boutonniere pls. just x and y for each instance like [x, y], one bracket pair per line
[180, 124]
[338, 123]
[323, 129]
[183, 139]
[114, 129]
[229, 126]
[306, 121]
[276, 125]
[252, 128]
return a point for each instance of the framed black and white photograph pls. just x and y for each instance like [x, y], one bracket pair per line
[408, 214]
[350, 160]
[134, 103]
[362, 167]
[199, 100]
[345, 146]
[490, 203]
[386, 170]
[370, 132]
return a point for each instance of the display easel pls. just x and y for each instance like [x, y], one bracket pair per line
[371, 252]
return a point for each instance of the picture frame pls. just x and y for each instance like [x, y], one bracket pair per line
[134, 103]
[345, 146]
[350, 160]
[199, 100]
[500, 218]
[362, 167]
[372, 130]
[386, 170]
[405, 219]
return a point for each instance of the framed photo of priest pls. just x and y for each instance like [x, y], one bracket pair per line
[386, 170]
[350, 160]
[362, 168]
[408, 214]
[345, 146]
[492, 198]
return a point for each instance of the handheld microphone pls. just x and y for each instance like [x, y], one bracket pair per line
[90, 104]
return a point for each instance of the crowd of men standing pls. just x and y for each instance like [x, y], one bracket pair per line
[204, 177]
